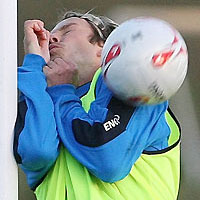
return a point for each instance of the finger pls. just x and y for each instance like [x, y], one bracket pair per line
[46, 67]
[66, 64]
[42, 31]
[44, 36]
[41, 25]
[46, 70]
[37, 27]
[32, 29]
[51, 64]
[58, 61]
[48, 34]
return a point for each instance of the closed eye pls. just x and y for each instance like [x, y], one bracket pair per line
[67, 28]
[66, 32]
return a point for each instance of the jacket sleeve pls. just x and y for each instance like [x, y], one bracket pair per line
[111, 136]
[36, 139]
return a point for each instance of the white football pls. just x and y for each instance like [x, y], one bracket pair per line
[144, 61]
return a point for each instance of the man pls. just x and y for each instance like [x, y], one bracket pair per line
[73, 138]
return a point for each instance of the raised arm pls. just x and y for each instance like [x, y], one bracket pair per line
[111, 136]
[36, 140]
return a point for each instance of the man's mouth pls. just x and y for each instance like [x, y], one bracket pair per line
[52, 46]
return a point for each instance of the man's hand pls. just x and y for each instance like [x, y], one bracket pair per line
[36, 39]
[60, 72]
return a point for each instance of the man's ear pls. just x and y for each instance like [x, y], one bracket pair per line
[99, 52]
[100, 45]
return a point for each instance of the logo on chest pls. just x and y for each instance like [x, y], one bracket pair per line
[112, 123]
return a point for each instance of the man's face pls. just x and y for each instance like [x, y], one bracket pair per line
[70, 40]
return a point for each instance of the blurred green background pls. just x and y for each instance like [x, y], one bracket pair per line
[182, 14]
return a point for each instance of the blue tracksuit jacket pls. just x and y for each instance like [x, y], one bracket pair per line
[107, 140]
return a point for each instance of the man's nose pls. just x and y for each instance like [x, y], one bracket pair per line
[54, 37]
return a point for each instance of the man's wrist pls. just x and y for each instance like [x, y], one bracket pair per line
[58, 90]
[34, 60]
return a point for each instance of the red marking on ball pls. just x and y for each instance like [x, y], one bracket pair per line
[161, 58]
[113, 53]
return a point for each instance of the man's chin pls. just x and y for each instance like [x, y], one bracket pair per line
[53, 57]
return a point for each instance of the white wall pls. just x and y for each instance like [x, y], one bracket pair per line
[8, 98]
